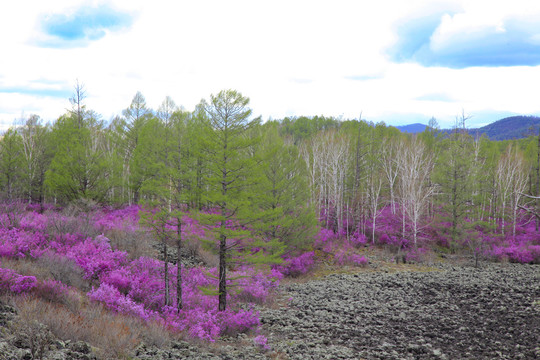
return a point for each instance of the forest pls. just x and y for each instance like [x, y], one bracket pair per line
[254, 202]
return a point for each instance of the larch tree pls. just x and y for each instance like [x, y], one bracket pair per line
[232, 174]
[282, 196]
[167, 184]
[455, 177]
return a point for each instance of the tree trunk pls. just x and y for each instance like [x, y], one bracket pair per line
[538, 183]
[166, 269]
[179, 303]
[222, 271]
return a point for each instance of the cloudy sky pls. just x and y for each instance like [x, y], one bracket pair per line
[391, 60]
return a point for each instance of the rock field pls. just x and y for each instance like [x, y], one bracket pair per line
[448, 312]
[451, 313]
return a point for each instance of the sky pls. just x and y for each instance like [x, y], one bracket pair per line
[395, 61]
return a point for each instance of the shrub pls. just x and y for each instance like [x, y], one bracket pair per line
[358, 239]
[416, 255]
[520, 253]
[323, 237]
[255, 286]
[10, 281]
[343, 258]
[136, 244]
[237, 322]
[114, 335]
[52, 291]
[30, 332]
[114, 300]
[262, 342]
[297, 266]
[64, 270]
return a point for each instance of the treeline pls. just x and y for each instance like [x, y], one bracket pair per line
[289, 171]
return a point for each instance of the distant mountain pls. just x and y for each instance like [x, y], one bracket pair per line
[412, 128]
[514, 127]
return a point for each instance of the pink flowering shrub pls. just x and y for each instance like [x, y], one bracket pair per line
[202, 325]
[262, 342]
[34, 221]
[121, 278]
[358, 239]
[18, 243]
[237, 322]
[95, 256]
[10, 281]
[520, 253]
[344, 257]
[125, 219]
[146, 284]
[52, 291]
[297, 266]
[324, 237]
[114, 300]
[415, 255]
[255, 286]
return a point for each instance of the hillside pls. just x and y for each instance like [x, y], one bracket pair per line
[412, 128]
[514, 127]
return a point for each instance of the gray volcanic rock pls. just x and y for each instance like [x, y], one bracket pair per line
[451, 313]
[454, 313]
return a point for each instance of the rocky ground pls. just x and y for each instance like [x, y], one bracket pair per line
[446, 313]
[382, 312]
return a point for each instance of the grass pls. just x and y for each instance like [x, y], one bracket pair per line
[108, 334]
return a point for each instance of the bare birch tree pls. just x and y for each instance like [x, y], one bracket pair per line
[33, 141]
[511, 183]
[388, 157]
[415, 167]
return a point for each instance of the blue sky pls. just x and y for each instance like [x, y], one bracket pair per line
[79, 28]
[391, 60]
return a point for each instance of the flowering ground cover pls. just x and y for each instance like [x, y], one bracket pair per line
[134, 285]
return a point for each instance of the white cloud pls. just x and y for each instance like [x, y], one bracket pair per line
[289, 57]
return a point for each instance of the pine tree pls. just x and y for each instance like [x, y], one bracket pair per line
[282, 196]
[455, 177]
[232, 174]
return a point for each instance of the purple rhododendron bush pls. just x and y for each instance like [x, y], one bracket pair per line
[490, 240]
[132, 286]
[125, 283]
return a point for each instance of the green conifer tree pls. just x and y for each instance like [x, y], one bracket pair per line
[231, 177]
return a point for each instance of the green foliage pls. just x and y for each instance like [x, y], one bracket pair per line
[233, 172]
[11, 161]
[188, 162]
[148, 163]
[282, 194]
[80, 167]
[301, 128]
[456, 178]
